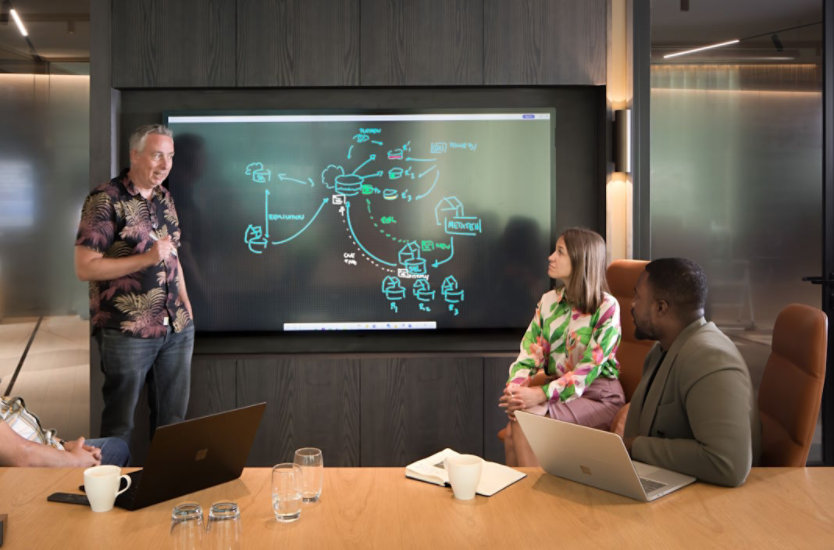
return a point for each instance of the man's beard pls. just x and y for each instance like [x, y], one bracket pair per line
[640, 334]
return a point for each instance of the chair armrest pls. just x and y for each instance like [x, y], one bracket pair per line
[619, 421]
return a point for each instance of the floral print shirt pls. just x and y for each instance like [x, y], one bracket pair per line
[117, 221]
[573, 348]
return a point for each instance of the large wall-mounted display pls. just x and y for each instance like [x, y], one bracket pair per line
[313, 220]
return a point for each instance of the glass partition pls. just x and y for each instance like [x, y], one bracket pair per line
[736, 176]
[44, 177]
[736, 185]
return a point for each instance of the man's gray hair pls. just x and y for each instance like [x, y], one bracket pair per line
[137, 138]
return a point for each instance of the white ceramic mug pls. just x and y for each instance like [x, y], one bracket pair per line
[101, 483]
[464, 474]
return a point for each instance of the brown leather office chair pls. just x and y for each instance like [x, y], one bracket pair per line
[791, 387]
[622, 277]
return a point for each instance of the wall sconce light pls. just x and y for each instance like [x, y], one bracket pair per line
[622, 141]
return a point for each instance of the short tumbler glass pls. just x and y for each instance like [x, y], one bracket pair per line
[312, 466]
[286, 491]
[187, 526]
[223, 527]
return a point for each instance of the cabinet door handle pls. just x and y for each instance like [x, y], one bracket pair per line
[818, 280]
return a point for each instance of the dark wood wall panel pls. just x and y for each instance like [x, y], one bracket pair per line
[105, 99]
[413, 407]
[496, 370]
[430, 42]
[545, 41]
[311, 402]
[212, 385]
[186, 43]
[298, 42]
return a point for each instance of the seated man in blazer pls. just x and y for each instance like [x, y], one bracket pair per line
[694, 409]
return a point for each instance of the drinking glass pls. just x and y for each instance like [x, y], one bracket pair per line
[187, 526]
[312, 468]
[286, 491]
[223, 527]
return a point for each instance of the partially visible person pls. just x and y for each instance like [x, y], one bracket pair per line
[693, 410]
[572, 339]
[126, 247]
[23, 442]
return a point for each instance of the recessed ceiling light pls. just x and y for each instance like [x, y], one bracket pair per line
[19, 23]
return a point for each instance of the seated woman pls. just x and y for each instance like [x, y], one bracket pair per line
[571, 340]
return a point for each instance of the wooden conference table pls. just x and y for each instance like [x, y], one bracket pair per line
[380, 508]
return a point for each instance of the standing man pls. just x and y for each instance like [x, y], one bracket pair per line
[693, 410]
[126, 247]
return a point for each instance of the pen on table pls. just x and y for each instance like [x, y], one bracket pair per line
[154, 237]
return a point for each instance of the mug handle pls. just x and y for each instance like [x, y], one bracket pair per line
[126, 478]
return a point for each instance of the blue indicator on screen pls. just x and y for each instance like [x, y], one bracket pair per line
[528, 116]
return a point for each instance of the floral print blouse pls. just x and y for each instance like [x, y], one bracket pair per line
[117, 221]
[573, 348]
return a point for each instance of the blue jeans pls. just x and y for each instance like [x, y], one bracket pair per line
[128, 362]
[113, 450]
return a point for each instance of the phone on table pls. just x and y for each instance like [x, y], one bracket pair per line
[69, 498]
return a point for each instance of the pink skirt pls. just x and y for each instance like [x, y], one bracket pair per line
[595, 408]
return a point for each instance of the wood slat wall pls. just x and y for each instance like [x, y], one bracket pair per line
[414, 407]
[550, 42]
[311, 402]
[254, 43]
[360, 410]
[187, 43]
[298, 42]
[426, 43]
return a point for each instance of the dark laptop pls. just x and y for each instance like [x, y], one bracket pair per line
[192, 455]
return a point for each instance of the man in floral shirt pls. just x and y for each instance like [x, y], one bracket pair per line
[126, 247]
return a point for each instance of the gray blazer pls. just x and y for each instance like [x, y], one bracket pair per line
[699, 417]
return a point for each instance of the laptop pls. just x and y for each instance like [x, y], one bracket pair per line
[192, 455]
[596, 458]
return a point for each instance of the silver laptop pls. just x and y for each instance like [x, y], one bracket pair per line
[596, 458]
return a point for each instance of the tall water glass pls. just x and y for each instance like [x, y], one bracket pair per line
[286, 491]
[312, 467]
[187, 526]
[223, 527]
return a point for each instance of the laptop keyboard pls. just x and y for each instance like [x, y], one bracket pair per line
[650, 485]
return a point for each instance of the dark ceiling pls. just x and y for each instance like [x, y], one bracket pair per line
[755, 22]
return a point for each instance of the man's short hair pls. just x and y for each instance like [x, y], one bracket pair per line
[137, 138]
[679, 281]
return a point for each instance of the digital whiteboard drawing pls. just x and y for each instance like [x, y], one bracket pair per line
[358, 188]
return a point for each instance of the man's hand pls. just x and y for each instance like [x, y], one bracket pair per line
[162, 249]
[82, 455]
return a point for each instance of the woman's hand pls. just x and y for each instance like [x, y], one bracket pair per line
[519, 397]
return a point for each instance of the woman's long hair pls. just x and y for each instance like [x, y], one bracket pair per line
[587, 283]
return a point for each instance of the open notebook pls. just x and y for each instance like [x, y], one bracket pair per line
[494, 477]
